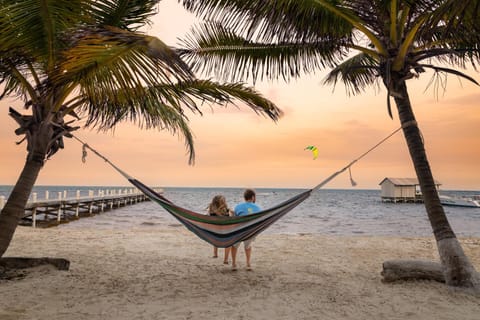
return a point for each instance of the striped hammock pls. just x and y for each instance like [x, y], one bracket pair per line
[221, 231]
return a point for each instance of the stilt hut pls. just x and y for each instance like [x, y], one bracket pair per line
[402, 190]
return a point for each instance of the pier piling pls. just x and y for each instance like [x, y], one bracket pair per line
[49, 212]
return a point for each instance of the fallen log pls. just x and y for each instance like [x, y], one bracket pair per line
[395, 270]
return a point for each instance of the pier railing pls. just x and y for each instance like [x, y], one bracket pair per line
[50, 211]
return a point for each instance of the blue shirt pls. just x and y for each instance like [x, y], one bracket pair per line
[246, 208]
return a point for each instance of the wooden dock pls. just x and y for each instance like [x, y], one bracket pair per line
[413, 199]
[51, 212]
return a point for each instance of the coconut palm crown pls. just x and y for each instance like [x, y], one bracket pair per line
[89, 59]
[362, 43]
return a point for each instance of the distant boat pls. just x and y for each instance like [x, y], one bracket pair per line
[459, 202]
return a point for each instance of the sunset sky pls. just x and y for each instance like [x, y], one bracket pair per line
[237, 148]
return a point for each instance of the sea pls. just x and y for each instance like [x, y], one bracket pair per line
[326, 212]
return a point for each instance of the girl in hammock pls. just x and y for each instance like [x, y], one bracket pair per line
[219, 207]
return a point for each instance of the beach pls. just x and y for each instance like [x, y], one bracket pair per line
[168, 273]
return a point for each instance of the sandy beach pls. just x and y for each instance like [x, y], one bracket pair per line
[170, 274]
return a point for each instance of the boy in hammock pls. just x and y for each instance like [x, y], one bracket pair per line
[243, 209]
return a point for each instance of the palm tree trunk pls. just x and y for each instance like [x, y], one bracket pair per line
[458, 269]
[38, 144]
[15, 207]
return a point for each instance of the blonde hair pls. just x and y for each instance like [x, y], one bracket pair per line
[218, 206]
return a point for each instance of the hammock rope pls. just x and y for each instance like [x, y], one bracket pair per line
[330, 178]
[85, 146]
[221, 231]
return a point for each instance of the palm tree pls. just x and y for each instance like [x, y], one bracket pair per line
[363, 42]
[77, 59]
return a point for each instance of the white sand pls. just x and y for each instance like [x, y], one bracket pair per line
[169, 274]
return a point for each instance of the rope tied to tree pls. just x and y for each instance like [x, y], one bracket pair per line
[351, 179]
[84, 152]
[85, 146]
[409, 123]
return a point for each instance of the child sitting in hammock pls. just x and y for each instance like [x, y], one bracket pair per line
[219, 207]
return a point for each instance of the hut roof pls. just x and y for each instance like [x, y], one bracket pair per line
[405, 181]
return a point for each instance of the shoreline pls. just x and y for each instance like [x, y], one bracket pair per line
[168, 273]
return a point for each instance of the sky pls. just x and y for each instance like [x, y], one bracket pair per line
[237, 148]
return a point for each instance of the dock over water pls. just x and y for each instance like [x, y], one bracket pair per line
[48, 212]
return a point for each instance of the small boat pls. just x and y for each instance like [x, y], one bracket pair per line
[459, 202]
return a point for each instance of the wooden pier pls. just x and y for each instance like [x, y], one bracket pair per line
[50, 212]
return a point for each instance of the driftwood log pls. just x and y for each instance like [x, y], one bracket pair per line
[395, 270]
[23, 263]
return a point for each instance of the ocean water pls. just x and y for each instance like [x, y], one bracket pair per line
[327, 211]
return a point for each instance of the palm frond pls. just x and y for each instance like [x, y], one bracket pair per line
[13, 75]
[125, 14]
[452, 25]
[23, 86]
[227, 93]
[456, 57]
[352, 14]
[31, 27]
[273, 20]
[213, 48]
[438, 69]
[110, 58]
[451, 15]
[105, 109]
[163, 106]
[148, 112]
[357, 72]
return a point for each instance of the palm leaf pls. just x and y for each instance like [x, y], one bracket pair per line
[178, 96]
[225, 93]
[450, 71]
[357, 73]
[13, 76]
[110, 58]
[162, 106]
[125, 14]
[273, 21]
[212, 47]
[148, 112]
[353, 17]
[31, 27]
[393, 22]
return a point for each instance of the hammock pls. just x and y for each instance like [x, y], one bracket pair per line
[222, 231]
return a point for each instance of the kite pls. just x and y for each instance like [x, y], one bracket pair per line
[314, 151]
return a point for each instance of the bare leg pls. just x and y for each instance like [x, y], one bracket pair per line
[215, 252]
[248, 254]
[234, 258]
[227, 253]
